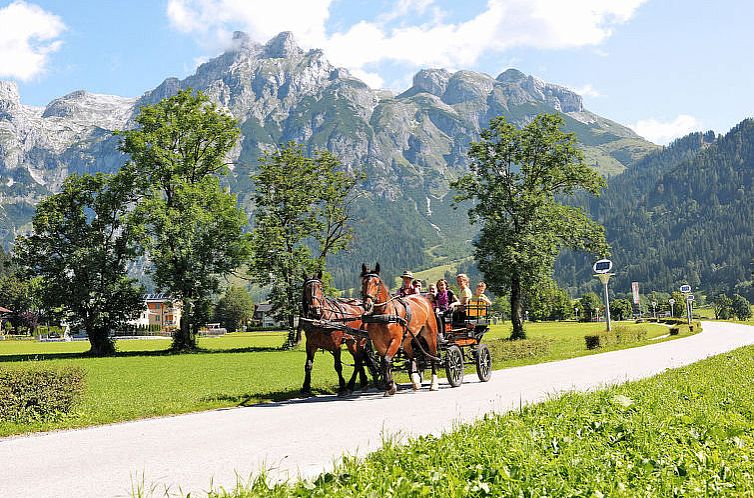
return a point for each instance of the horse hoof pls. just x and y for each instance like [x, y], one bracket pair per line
[343, 394]
[435, 385]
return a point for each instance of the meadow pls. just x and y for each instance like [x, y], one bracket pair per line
[145, 380]
[686, 432]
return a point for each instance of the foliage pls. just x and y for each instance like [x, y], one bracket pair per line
[679, 307]
[190, 227]
[547, 301]
[621, 309]
[234, 308]
[506, 349]
[684, 214]
[723, 307]
[515, 176]
[619, 335]
[300, 202]
[741, 307]
[39, 393]
[80, 248]
[590, 305]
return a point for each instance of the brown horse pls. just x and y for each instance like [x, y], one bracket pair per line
[394, 323]
[316, 306]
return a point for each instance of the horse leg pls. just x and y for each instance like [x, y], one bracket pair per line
[339, 368]
[416, 383]
[387, 366]
[363, 359]
[307, 388]
[435, 385]
[357, 367]
[373, 366]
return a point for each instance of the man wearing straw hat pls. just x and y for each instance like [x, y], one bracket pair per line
[407, 288]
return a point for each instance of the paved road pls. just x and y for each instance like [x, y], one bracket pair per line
[304, 437]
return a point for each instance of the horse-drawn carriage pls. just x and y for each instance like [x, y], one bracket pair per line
[389, 333]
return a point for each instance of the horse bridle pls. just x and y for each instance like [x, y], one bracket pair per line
[321, 301]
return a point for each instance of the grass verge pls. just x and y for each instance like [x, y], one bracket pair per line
[686, 432]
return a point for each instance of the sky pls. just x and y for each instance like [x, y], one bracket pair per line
[663, 67]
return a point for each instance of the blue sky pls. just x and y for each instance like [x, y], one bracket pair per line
[664, 67]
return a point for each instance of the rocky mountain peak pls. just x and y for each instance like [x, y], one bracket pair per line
[282, 46]
[434, 81]
[10, 100]
[511, 76]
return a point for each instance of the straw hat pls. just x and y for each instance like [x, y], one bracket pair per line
[407, 274]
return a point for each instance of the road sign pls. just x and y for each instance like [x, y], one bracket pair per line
[603, 266]
[690, 297]
[685, 288]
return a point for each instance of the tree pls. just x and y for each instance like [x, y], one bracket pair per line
[234, 308]
[514, 179]
[679, 308]
[80, 247]
[590, 305]
[741, 307]
[302, 205]
[191, 228]
[722, 305]
[621, 309]
[549, 302]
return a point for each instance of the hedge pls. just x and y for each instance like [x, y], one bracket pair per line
[39, 393]
[685, 328]
[619, 335]
[506, 349]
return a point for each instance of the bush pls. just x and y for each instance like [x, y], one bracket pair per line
[506, 349]
[619, 335]
[684, 328]
[39, 393]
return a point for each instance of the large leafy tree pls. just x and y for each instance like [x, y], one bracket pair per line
[515, 177]
[302, 216]
[234, 308]
[191, 227]
[741, 307]
[80, 248]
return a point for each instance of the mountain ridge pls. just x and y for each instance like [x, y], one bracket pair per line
[411, 144]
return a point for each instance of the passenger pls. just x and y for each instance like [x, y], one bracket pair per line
[407, 288]
[464, 296]
[477, 306]
[417, 285]
[445, 299]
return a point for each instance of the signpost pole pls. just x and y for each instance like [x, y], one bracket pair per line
[671, 302]
[607, 304]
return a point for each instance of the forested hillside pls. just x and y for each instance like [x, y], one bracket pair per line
[684, 214]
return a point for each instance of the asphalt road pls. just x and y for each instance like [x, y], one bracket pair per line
[304, 437]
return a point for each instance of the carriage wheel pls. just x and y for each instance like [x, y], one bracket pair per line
[454, 365]
[483, 363]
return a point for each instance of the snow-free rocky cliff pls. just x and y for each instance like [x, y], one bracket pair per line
[410, 144]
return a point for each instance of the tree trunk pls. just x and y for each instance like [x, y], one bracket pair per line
[184, 339]
[100, 342]
[517, 310]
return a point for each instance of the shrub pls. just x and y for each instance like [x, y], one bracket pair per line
[684, 328]
[39, 393]
[619, 335]
[506, 349]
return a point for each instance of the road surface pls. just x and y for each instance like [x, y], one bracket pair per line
[304, 437]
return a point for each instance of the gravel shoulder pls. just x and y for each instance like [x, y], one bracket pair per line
[186, 453]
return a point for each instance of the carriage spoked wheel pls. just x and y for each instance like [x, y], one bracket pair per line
[483, 363]
[454, 365]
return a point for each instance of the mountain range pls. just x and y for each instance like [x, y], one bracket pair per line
[410, 144]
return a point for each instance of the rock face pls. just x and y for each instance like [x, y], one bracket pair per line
[410, 144]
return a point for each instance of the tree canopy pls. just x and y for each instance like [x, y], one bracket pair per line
[191, 228]
[515, 177]
[80, 248]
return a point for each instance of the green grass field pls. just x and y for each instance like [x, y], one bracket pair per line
[686, 432]
[145, 380]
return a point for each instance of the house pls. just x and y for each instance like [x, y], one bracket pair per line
[160, 309]
[4, 316]
[263, 315]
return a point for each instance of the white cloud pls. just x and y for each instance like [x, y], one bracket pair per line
[664, 132]
[27, 36]
[407, 33]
